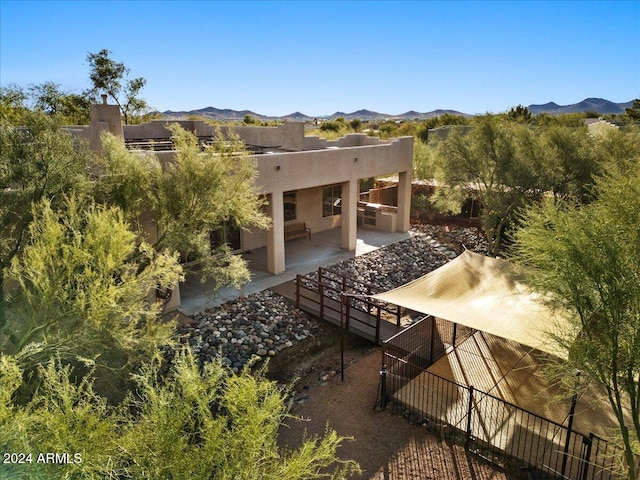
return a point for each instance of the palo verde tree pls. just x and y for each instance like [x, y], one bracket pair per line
[571, 159]
[197, 423]
[111, 77]
[508, 165]
[499, 161]
[588, 257]
[48, 98]
[203, 191]
[197, 193]
[38, 162]
[84, 279]
[42, 166]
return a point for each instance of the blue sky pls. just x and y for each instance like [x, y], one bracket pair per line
[275, 58]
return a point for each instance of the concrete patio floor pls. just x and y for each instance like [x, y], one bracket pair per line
[301, 256]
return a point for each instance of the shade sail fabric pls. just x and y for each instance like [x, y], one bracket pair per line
[481, 292]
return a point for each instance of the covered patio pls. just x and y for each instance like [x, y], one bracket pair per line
[301, 257]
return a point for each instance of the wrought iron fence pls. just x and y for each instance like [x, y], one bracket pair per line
[487, 425]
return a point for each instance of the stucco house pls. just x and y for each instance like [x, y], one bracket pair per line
[308, 182]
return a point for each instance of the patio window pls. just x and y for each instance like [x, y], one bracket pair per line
[289, 206]
[227, 233]
[332, 200]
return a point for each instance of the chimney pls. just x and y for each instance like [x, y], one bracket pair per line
[104, 98]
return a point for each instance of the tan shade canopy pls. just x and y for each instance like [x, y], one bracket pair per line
[481, 292]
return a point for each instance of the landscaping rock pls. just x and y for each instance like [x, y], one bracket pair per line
[260, 325]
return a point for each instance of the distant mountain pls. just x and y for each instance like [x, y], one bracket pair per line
[598, 105]
[297, 116]
[214, 113]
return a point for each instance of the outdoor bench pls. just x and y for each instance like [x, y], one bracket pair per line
[296, 230]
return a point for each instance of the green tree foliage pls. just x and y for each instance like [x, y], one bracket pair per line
[633, 111]
[356, 125]
[509, 165]
[38, 162]
[589, 259]
[193, 423]
[249, 120]
[571, 159]
[500, 163]
[49, 98]
[446, 119]
[199, 192]
[566, 120]
[111, 77]
[519, 114]
[13, 104]
[84, 281]
[82, 307]
[425, 160]
[388, 129]
[332, 126]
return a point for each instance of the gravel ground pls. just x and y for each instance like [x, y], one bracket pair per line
[264, 324]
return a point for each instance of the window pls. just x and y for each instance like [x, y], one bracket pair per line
[289, 205]
[227, 233]
[332, 201]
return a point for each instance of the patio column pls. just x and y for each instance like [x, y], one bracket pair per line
[404, 201]
[275, 236]
[349, 215]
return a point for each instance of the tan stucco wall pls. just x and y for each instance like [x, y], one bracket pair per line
[308, 210]
[325, 167]
[286, 137]
[289, 136]
[294, 162]
[309, 171]
[157, 129]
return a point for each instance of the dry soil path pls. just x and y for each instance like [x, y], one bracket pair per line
[385, 445]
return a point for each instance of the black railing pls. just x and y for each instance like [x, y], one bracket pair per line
[487, 425]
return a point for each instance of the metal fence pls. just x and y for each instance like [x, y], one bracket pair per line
[487, 425]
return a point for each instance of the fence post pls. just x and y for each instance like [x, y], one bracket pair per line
[347, 301]
[467, 442]
[432, 345]
[343, 298]
[586, 460]
[383, 384]
[565, 456]
[298, 291]
[321, 292]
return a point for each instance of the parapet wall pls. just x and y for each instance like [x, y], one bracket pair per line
[157, 129]
[287, 137]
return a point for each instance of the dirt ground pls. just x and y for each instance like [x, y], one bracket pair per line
[387, 446]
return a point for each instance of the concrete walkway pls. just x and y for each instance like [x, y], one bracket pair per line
[301, 257]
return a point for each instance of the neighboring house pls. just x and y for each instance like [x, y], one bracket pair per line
[305, 180]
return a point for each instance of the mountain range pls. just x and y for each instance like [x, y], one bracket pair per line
[596, 105]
